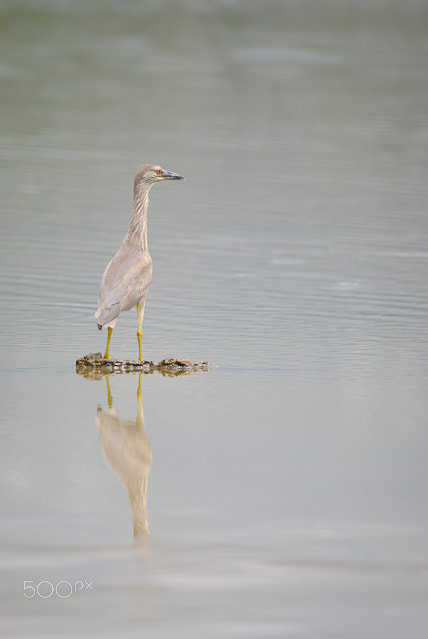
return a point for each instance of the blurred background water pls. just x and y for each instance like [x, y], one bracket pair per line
[286, 489]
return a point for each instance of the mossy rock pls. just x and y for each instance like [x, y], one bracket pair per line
[95, 366]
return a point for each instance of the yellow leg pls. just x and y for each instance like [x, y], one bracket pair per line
[140, 311]
[106, 354]
[140, 354]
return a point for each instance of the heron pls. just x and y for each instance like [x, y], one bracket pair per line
[128, 275]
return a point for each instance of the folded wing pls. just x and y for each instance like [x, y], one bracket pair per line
[125, 282]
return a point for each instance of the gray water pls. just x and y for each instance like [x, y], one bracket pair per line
[286, 489]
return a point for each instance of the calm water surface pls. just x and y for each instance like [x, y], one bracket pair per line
[285, 491]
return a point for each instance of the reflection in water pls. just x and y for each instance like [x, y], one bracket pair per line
[127, 449]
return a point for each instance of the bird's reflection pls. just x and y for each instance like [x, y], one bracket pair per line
[127, 449]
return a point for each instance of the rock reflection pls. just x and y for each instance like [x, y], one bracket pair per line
[127, 449]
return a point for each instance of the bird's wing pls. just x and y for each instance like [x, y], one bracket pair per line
[125, 282]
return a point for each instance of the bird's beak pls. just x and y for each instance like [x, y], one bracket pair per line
[169, 175]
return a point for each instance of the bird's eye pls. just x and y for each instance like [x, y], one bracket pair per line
[159, 171]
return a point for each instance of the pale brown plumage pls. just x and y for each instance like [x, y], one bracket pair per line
[128, 275]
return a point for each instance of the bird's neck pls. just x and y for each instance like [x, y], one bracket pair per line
[137, 232]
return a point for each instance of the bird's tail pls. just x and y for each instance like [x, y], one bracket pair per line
[97, 314]
[107, 315]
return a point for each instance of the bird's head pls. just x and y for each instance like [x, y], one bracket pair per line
[149, 174]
